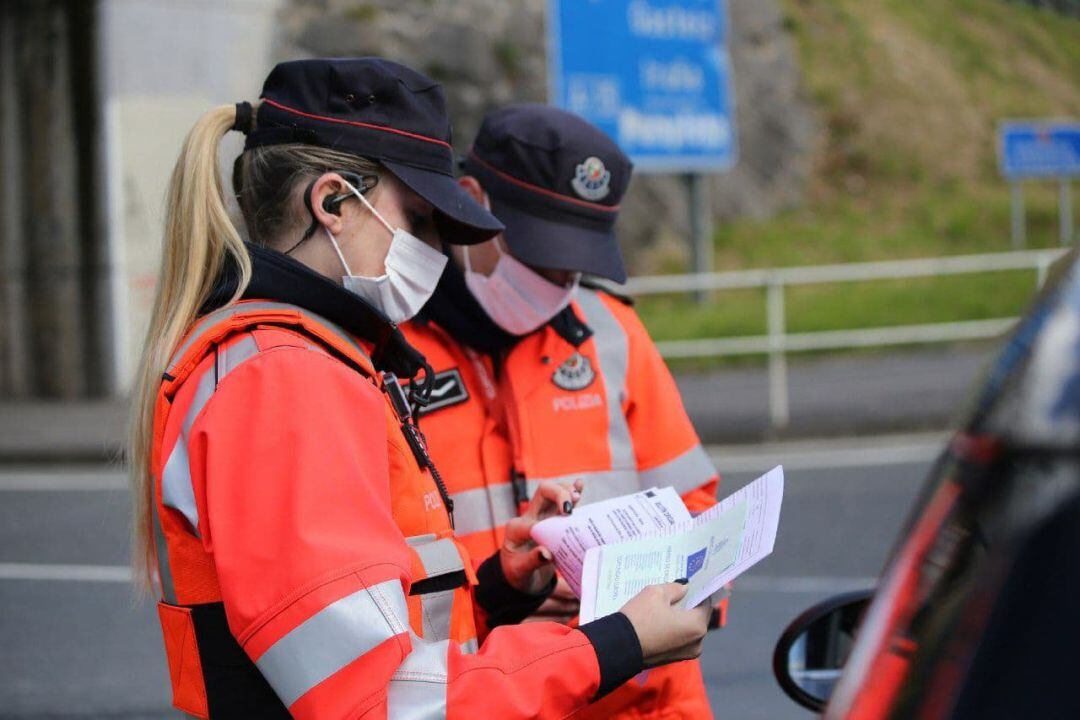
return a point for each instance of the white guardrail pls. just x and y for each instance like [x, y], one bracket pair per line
[778, 342]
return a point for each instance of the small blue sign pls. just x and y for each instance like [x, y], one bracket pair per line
[653, 74]
[1039, 149]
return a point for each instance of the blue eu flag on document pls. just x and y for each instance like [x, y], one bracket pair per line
[694, 562]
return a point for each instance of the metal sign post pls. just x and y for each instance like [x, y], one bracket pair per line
[1045, 150]
[1019, 216]
[701, 230]
[1065, 211]
[656, 76]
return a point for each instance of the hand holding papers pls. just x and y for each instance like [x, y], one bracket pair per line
[609, 521]
[649, 538]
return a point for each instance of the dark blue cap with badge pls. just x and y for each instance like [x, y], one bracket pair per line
[556, 182]
[380, 110]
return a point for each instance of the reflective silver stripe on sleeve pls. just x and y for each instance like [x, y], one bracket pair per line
[176, 488]
[437, 556]
[436, 609]
[483, 508]
[332, 638]
[613, 352]
[177, 491]
[418, 687]
[685, 473]
[231, 355]
[161, 551]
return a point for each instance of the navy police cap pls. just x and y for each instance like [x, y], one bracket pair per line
[380, 110]
[556, 182]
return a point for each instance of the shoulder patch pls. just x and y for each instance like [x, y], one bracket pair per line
[447, 390]
[593, 283]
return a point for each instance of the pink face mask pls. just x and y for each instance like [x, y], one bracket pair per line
[517, 298]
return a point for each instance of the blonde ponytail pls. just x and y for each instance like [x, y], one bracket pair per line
[199, 238]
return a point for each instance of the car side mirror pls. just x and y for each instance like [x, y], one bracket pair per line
[811, 652]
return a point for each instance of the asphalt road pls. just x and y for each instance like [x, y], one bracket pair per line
[839, 396]
[76, 642]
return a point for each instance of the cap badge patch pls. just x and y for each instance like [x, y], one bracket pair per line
[575, 374]
[591, 179]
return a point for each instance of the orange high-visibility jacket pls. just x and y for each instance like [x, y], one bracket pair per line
[595, 402]
[306, 559]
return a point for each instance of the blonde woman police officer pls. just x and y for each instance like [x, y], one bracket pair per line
[302, 536]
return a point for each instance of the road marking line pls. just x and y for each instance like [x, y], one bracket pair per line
[79, 480]
[729, 460]
[806, 584]
[75, 573]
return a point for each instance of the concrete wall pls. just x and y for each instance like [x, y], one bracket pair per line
[164, 63]
[51, 307]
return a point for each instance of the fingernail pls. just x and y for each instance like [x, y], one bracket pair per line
[567, 507]
[545, 554]
[683, 581]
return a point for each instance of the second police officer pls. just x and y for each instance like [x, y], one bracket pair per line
[540, 376]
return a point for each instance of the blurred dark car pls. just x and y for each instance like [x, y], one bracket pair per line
[977, 615]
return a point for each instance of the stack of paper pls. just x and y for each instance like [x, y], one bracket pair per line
[608, 551]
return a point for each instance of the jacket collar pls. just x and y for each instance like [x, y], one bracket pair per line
[275, 276]
[570, 327]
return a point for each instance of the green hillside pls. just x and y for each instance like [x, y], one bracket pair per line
[909, 95]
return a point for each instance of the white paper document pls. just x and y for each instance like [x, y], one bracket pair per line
[649, 512]
[710, 550]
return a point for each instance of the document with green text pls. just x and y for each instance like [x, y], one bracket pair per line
[709, 550]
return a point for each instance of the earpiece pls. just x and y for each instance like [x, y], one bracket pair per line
[330, 203]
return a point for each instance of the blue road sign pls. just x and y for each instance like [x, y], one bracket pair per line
[1039, 149]
[654, 74]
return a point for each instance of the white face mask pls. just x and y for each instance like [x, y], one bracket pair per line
[413, 269]
[517, 298]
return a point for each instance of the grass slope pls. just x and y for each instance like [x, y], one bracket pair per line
[909, 95]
